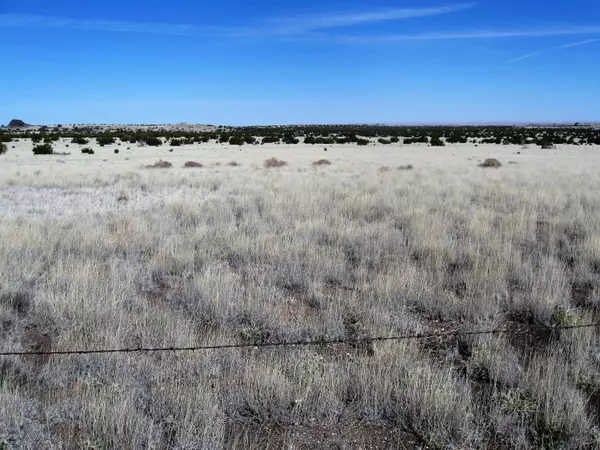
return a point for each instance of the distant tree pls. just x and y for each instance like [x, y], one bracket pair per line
[35, 138]
[105, 140]
[290, 139]
[3, 148]
[384, 141]
[154, 141]
[249, 139]
[43, 149]
[236, 140]
[361, 141]
[437, 142]
[395, 140]
[175, 142]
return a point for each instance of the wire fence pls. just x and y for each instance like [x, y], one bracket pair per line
[298, 343]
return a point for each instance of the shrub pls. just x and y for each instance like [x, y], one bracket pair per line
[79, 140]
[274, 162]
[395, 140]
[322, 162]
[160, 164]
[491, 162]
[116, 151]
[35, 138]
[437, 142]
[105, 140]
[87, 151]
[3, 148]
[154, 141]
[43, 149]
[360, 141]
[384, 141]
[233, 164]
[236, 140]
[175, 142]
[192, 164]
[407, 167]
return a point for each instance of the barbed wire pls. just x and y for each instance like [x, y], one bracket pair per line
[298, 343]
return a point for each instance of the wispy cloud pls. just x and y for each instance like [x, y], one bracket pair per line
[466, 35]
[553, 49]
[297, 25]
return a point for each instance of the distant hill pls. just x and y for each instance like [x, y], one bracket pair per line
[16, 123]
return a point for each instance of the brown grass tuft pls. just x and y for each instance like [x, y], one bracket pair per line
[233, 164]
[274, 162]
[384, 169]
[192, 164]
[322, 162]
[491, 162]
[407, 167]
[160, 164]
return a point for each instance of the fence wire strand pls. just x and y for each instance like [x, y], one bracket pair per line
[298, 343]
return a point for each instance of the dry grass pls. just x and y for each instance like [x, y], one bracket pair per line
[406, 167]
[244, 256]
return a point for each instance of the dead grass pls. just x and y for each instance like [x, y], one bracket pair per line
[235, 256]
[321, 162]
[406, 167]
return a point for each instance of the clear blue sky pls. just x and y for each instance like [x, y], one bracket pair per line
[315, 61]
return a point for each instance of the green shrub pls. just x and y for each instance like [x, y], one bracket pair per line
[236, 140]
[175, 142]
[384, 141]
[154, 141]
[116, 151]
[105, 140]
[3, 148]
[35, 138]
[79, 140]
[43, 149]
[437, 142]
[87, 150]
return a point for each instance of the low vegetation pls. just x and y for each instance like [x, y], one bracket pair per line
[322, 162]
[192, 164]
[274, 162]
[160, 164]
[43, 149]
[491, 162]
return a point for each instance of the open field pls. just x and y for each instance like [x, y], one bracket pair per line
[98, 252]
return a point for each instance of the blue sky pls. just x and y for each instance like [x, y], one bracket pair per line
[278, 62]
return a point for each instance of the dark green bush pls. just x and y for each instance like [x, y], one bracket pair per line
[236, 140]
[87, 150]
[35, 138]
[79, 140]
[43, 149]
[436, 141]
[384, 141]
[3, 148]
[175, 142]
[105, 140]
[154, 141]
[116, 151]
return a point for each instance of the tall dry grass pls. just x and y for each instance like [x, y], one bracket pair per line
[248, 255]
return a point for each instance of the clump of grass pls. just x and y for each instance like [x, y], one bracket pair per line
[491, 163]
[274, 162]
[233, 164]
[322, 162]
[406, 167]
[192, 164]
[384, 169]
[160, 164]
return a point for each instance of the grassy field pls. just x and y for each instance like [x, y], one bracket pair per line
[98, 252]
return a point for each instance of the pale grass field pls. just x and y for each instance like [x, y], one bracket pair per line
[97, 252]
